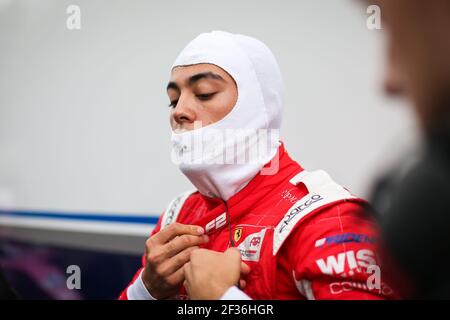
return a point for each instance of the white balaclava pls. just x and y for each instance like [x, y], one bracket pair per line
[212, 156]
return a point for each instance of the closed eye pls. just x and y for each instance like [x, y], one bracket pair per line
[205, 96]
[172, 104]
[202, 97]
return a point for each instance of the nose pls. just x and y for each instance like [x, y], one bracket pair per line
[393, 77]
[183, 114]
[392, 82]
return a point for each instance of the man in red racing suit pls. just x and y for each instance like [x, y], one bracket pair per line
[302, 235]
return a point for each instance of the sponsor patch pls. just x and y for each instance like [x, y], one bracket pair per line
[348, 263]
[345, 238]
[298, 209]
[251, 246]
[341, 287]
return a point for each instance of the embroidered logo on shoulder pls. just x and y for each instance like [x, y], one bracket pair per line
[298, 209]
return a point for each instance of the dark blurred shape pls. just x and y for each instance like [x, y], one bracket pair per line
[415, 215]
[6, 292]
[414, 201]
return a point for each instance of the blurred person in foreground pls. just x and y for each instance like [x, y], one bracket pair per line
[413, 201]
[262, 223]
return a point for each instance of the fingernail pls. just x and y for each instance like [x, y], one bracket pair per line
[200, 230]
[205, 238]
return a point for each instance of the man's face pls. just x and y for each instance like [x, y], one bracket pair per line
[418, 36]
[201, 92]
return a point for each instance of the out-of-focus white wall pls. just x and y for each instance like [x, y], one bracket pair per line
[84, 117]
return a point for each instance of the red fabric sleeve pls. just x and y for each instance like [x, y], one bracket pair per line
[123, 294]
[330, 254]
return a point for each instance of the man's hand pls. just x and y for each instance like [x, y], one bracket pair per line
[166, 253]
[209, 274]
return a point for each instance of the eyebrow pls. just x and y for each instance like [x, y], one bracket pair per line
[195, 78]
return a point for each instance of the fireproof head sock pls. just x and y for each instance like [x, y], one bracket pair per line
[258, 109]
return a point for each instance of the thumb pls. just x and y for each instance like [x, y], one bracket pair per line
[186, 286]
[245, 269]
[233, 253]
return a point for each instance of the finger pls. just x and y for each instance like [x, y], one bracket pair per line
[177, 278]
[180, 243]
[176, 229]
[186, 286]
[233, 253]
[187, 271]
[187, 266]
[176, 262]
[201, 255]
[242, 284]
[245, 269]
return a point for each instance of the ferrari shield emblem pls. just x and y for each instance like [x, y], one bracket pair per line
[237, 234]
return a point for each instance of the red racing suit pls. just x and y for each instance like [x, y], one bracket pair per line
[302, 235]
